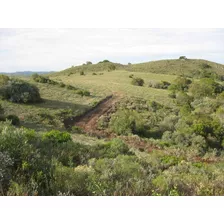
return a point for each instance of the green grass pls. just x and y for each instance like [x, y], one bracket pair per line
[118, 81]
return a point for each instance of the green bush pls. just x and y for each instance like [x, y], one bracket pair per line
[39, 78]
[82, 92]
[14, 119]
[18, 91]
[159, 84]
[70, 181]
[206, 87]
[61, 84]
[56, 136]
[104, 61]
[4, 80]
[94, 73]
[112, 67]
[125, 122]
[1, 110]
[137, 82]
[82, 73]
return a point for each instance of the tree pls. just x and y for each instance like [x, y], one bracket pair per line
[183, 57]
[89, 63]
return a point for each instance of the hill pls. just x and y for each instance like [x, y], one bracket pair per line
[187, 67]
[180, 67]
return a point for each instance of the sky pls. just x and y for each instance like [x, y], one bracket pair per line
[58, 49]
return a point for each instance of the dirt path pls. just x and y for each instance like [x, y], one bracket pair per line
[88, 122]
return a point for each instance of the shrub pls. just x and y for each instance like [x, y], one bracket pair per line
[137, 82]
[56, 136]
[89, 63]
[82, 92]
[180, 84]
[126, 122]
[70, 181]
[159, 85]
[39, 78]
[76, 129]
[183, 57]
[104, 61]
[1, 110]
[112, 67]
[205, 66]
[94, 73]
[82, 73]
[18, 91]
[116, 148]
[14, 119]
[205, 87]
[131, 76]
[61, 84]
[3, 80]
[71, 87]
[5, 171]
[183, 98]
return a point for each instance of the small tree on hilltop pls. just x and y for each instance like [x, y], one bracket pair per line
[183, 58]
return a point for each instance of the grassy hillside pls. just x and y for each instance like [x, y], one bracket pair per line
[119, 81]
[177, 67]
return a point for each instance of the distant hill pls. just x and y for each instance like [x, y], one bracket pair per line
[186, 67]
[26, 73]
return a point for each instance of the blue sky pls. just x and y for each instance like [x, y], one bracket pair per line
[57, 49]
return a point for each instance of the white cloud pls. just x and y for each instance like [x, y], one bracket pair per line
[57, 49]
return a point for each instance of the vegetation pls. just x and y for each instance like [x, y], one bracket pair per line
[18, 91]
[164, 140]
[137, 81]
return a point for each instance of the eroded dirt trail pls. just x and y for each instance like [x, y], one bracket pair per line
[88, 122]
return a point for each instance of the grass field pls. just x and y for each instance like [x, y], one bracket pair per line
[119, 81]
